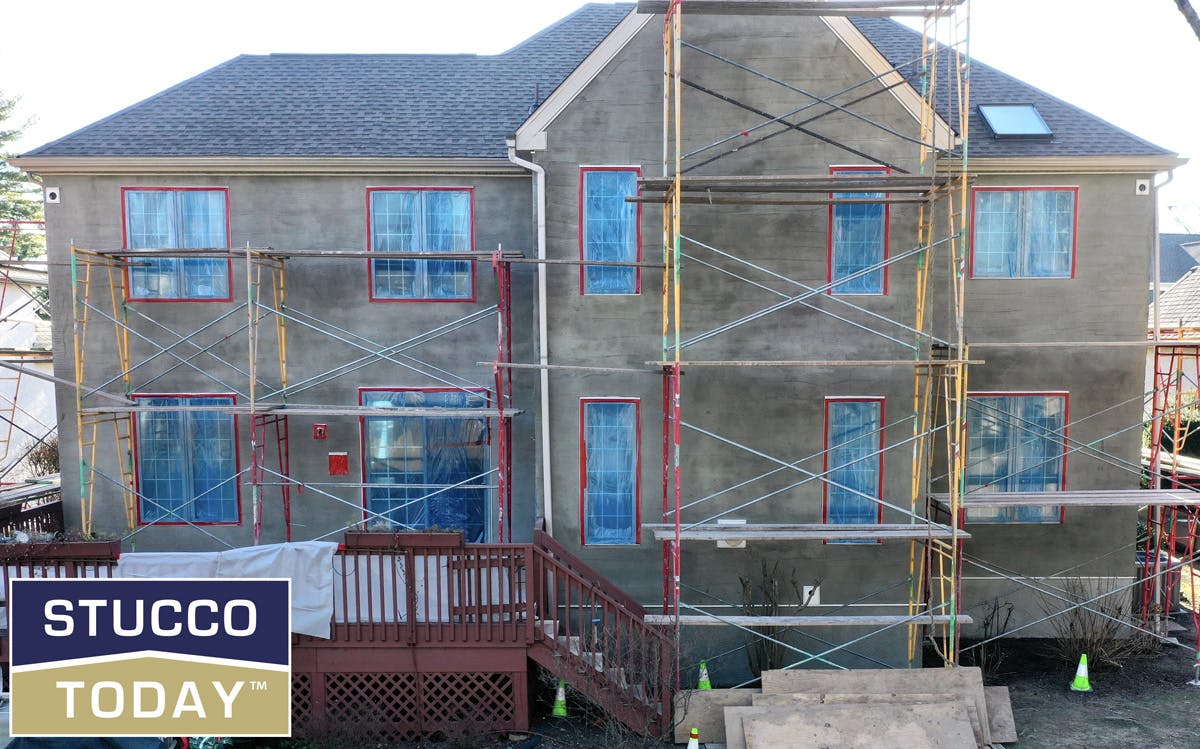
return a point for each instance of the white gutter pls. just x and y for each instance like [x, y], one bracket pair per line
[539, 210]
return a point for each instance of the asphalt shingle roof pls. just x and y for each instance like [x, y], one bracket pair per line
[1177, 253]
[392, 105]
[1076, 132]
[381, 105]
[1179, 305]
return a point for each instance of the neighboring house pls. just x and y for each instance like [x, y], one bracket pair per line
[406, 153]
[1178, 254]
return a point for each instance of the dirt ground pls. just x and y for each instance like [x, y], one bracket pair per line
[1146, 703]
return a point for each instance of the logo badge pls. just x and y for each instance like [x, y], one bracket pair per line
[139, 657]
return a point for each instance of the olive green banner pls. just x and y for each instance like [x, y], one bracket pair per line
[151, 696]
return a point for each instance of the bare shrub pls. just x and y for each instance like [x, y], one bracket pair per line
[768, 597]
[1101, 630]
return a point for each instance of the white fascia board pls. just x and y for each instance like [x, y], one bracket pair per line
[531, 136]
[877, 64]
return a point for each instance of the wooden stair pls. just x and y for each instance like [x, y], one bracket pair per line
[595, 638]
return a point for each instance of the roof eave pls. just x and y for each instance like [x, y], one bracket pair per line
[263, 165]
[1126, 164]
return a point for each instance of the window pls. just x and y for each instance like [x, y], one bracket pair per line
[1015, 121]
[433, 470]
[858, 237]
[1024, 232]
[853, 461]
[1016, 443]
[177, 218]
[609, 229]
[610, 446]
[187, 462]
[429, 219]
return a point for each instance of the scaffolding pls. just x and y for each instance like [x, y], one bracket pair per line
[106, 321]
[939, 363]
[23, 283]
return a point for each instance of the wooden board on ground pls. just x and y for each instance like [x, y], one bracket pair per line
[884, 726]
[960, 680]
[735, 737]
[705, 709]
[1000, 716]
[924, 698]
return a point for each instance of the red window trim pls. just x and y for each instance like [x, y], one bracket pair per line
[637, 470]
[637, 282]
[1066, 396]
[228, 243]
[420, 300]
[1030, 188]
[362, 426]
[237, 457]
[887, 231]
[825, 468]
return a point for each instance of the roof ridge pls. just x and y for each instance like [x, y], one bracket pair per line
[537, 36]
[148, 99]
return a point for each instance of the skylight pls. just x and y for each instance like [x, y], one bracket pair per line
[1015, 121]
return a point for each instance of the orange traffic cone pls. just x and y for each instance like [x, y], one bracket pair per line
[1081, 683]
[694, 739]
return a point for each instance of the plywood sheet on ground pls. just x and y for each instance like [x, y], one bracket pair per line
[735, 737]
[884, 726]
[962, 680]
[705, 709]
[1000, 716]
[924, 698]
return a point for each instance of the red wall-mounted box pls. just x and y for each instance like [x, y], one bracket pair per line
[320, 431]
[339, 464]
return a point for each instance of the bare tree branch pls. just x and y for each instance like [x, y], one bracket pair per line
[1193, 18]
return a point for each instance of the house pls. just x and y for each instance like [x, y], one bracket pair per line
[293, 192]
[1177, 255]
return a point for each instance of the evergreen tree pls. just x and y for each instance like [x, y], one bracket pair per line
[20, 199]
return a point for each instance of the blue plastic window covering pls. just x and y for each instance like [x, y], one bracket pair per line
[1015, 444]
[854, 440]
[609, 231]
[421, 221]
[857, 240]
[1015, 121]
[426, 456]
[185, 219]
[187, 462]
[610, 497]
[1024, 233]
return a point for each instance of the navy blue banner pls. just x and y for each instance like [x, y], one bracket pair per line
[55, 620]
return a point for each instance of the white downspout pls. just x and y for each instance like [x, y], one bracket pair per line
[539, 210]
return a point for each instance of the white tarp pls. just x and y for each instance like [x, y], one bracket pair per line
[309, 564]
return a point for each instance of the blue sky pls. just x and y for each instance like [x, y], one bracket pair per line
[75, 61]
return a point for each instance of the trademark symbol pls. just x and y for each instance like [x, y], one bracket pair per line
[258, 686]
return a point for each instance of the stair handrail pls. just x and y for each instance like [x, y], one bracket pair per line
[558, 553]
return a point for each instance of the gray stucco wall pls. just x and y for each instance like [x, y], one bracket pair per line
[780, 412]
[295, 212]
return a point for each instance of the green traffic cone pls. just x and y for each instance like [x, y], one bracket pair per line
[560, 701]
[704, 682]
[1081, 683]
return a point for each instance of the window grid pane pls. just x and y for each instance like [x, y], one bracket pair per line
[609, 230]
[1015, 444]
[187, 462]
[610, 498]
[421, 221]
[857, 240]
[854, 440]
[1023, 233]
[185, 219]
[424, 455]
